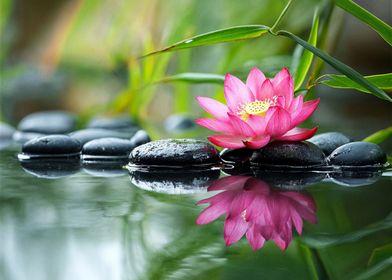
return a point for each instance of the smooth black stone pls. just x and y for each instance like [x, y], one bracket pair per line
[48, 122]
[290, 180]
[174, 152]
[117, 123]
[51, 169]
[89, 134]
[52, 145]
[287, 154]
[23, 137]
[329, 141]
[104, 169]
[358, 154]
[141, 137]
[6, 131]
[355, 179]
[173, 182]
[236, 156]
[179, 123]
[107, 147]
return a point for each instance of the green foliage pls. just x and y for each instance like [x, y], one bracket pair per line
[382, 81]
[218, 36]
[365, 16]
[379, 136]
[194, 78]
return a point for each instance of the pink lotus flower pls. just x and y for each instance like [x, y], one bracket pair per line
[254, 209]
[258, 112]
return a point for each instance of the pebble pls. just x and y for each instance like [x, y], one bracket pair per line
[48, 122]
[89, 134]
[329, 141]
[179, 123]
[122, 123]
[288, 154]
[236, 156]
[141, 137]
[107, 148]
[50, 146]
[174, 152]
[356, 154]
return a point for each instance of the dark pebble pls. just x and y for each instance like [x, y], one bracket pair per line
[51, 169]
[173, 182]
[141, 137]
[286, 154]
[355, 179]
[107, 148]
[6, 131]
[358, 154]
[174, 152]
[48, 122]
[179, 123]
[329, 141]
[89, 134]
[122, 123]
[236, 156]
[289, 180]
[23, 137]
[52, 146]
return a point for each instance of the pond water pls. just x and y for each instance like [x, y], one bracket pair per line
[90, 224]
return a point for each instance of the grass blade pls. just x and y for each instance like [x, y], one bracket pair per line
[365, 16]
[379, 136]
[235, 33]
[339, 66]
[307, 56]
[382, 81]
[195, 78]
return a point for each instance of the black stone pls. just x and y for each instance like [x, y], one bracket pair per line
[329, 141]
[23, 137]
[355, 178]
[236, 156]
[110, 148]
[6, 131]
[173, 181]
[141, 137]
[179, 123]
[89, 134]
[174, 152]
[287, 154]
[52, 146]
[51, 169]
[289, 180]
[122, 123]
[358, 154]
[48, 122]
[104, 169]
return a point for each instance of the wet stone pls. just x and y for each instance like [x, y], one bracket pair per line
[173, 182]
[357, 154]
[141, 137]
[236, 156]
[179, 123]
[174, 152]
[329, 141]
[6, 131]
[107, 148]
[51, 169]
[121, 123]
[287, 154]
[50, 146]
[23, 137]
[89, 134]
[48, 122]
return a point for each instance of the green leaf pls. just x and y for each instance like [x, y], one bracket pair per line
[339, 66]
[379, 136]
[382, 81]
[307, 57]
[195, 78]
[374, 22]
[235, 33]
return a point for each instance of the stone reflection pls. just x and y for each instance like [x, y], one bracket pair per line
[256, 210]
[51, 168]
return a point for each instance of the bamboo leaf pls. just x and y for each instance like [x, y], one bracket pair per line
[379, 136]
[307, 57]
[339, 66]
[382, 81]
[365, 16]
[235, 33]
[195, 78]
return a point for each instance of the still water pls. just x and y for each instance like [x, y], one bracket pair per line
[92, 224]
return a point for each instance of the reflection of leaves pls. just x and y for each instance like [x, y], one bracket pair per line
[323, 241]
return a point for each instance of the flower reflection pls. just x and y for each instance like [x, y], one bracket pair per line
[258, 211]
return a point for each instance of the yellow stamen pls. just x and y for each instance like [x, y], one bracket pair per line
[256, 108]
